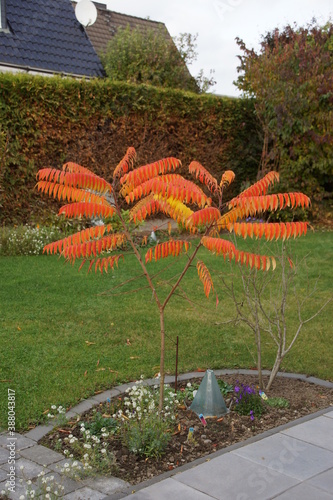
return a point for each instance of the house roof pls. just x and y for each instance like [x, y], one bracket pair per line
[108, 22]
[44, 35]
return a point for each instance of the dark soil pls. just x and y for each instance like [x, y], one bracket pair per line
[304, 398]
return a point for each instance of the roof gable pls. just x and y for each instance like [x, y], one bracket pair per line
[108, 22]
[45, 35]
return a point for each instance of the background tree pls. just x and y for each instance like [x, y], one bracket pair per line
[152, 57]
[156, 188]
[291, 79]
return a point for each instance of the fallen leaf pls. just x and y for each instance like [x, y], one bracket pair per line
[128, 342]
[106, 415]
[85, 373]
[89, 343]
[100, 369]
[134, 357]
[19, 329]
[112, 371]
[97, 363]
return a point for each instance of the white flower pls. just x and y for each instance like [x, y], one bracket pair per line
[53, 407]
[87, 446]
[189, 384]
[103, 450]
[66, 465]
[21, 497]
[195, 393]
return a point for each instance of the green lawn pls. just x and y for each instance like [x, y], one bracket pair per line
[64, 334]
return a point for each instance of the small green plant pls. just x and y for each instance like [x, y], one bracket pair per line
[188, 392]
[247, 401]
[102, 424]
[147, 437]
[277, 402]
[224, 387]
[93, 451]
[145, 428]
[57, 415]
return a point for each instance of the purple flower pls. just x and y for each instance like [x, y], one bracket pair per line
[236, 388]
[251, 415]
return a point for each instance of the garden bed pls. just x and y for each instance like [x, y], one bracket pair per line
[293, 399]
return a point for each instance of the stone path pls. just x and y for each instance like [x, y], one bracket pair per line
[294, 461]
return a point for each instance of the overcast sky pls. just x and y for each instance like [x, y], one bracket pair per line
[219, 22]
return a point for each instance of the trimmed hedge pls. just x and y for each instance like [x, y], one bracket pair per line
[49, 121]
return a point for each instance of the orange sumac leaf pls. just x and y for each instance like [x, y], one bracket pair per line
[77, 238]
[126, 163]
[165, 249]
[203, 217]
[269, 230]
[218, 245]
[227, 178]
[78, 179]
[203, 175]
[146, 172]
[259, 188]
[74, 167]
[94, 247]
[205, 277]
[144, 208]
[104, 263]
[87, 210]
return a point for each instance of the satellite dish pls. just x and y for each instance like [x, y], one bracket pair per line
[86, 12]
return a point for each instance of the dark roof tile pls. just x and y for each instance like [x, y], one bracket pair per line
[108, 22]
[43, 35]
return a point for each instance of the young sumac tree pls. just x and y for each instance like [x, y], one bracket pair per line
[156, 188]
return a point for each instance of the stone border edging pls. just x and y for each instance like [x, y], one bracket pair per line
[40, 431]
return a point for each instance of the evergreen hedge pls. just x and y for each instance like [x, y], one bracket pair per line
[49, 121]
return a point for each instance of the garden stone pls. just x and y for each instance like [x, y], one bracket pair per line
[41, 455]
[84, 494]
[106, 485]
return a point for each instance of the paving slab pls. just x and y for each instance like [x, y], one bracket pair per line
[30, 469]
[304, 491]
[167, 490]
[318, 431]
[84, 494]
[329, 414]
[41, 455]
[106, 485]
[20, 489]
[39, 432]
[68, 484]
[233, 477]
[288, 456]
[4, 454]
[323, 481]
[20, 442]
[81, 408]
[3, 475]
